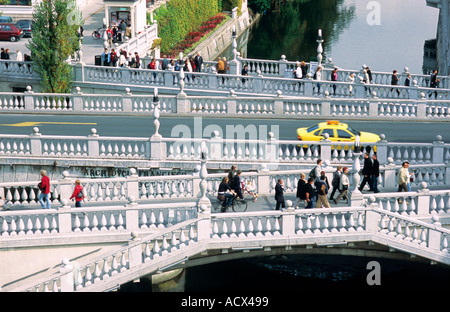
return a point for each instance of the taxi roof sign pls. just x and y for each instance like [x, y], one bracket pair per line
[332, 122]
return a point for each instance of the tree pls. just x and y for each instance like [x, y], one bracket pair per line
[54, 38]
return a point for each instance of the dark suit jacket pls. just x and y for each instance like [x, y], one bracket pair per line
[367, 166]
[279, 197]
[375, 170]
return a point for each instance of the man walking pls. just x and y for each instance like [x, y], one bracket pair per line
[279, 197]
[198, 60]
[375, 173]
[309, 191]
[366, 171]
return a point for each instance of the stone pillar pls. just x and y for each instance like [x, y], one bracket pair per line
[77, 100]
[356, 197]
[134, 251]
[422, 106]
[64, 217]
[132, 214]
[282, 66]
[434, 235]
[127, 103]
[93, 146]
[67, 277]
[66, 187]
[28, 99]
[278, 104]
[438, 150]
[133, 184]
[390, 177]
[215, 147]
[35, 142]
[423, 201]
[288, 219]
[231, 103]
[382, 149]
[203, 204]
[325, 148]
[263, 183]
[373, 106]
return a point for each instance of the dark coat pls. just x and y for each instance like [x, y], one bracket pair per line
[301, 189]
[367, 166]
[279, 190]
[375, 170]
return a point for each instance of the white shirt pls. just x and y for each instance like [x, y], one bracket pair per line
[19, 56]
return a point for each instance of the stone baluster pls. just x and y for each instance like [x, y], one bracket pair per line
[234, 63]
[158, 148]
[319, 47]
[204, 204]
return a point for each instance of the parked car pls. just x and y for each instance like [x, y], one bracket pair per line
[26, 26]
[10, 32]
[6, 19]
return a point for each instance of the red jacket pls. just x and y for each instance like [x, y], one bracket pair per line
[45, 185]
[78, 189]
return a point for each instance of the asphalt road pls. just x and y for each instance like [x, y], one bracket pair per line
[135, 126]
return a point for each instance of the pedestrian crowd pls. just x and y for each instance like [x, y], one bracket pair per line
[122, 58]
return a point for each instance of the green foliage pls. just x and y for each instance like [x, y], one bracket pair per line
[260, 5]
[54, 38]
[179, 17]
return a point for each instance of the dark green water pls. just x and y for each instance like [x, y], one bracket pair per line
[349, 39]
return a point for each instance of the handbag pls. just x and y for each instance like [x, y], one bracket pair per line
[221, 197]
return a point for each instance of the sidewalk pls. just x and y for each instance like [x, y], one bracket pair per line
[93, 15]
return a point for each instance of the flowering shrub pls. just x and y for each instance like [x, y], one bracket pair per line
[195, 36]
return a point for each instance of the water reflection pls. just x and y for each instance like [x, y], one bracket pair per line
[397, 42]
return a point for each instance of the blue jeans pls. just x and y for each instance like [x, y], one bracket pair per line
[374, 183]
[228, 199]
[310, 203]
[47, 200]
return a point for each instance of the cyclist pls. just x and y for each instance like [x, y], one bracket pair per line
[224, 196]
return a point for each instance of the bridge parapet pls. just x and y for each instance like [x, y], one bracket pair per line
[422, 107]
[246, 232]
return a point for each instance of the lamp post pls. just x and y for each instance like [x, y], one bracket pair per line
[319, 48]
[356, 197]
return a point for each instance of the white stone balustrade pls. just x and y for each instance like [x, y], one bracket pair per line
[231, 232]
[276, 102]
[48, 224]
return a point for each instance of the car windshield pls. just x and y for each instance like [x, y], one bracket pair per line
[310, 129]
[355, 132]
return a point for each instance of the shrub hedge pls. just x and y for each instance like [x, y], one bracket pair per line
[179, 17]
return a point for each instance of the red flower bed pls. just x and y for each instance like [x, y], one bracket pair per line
[195, 36]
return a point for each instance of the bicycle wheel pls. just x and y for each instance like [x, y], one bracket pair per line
[94, 35]
[239, 205]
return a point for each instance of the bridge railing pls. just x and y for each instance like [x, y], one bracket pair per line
[41, 224]
[248, 231]
[423, 108]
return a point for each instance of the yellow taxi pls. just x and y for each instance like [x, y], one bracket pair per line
[337, 131]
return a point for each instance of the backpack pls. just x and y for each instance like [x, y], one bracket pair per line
[80, 193]
[336, 180]
[312, 173]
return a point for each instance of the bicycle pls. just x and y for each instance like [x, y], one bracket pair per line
[97, 34]
[238, 205]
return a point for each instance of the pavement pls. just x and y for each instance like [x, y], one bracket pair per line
[93, 15]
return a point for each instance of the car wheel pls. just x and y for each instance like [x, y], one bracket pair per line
[13, 39]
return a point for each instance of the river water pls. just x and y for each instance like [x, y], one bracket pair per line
[387, 36]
